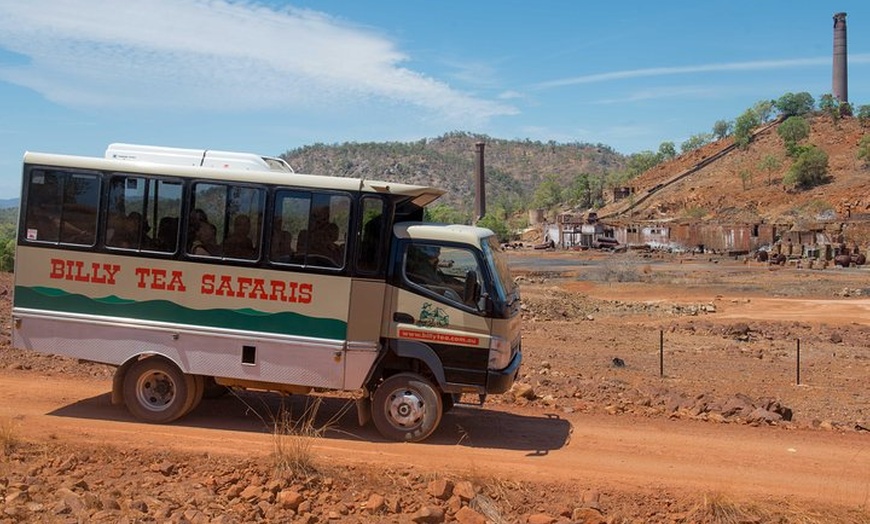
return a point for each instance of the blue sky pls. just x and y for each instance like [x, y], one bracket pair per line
[265, 77]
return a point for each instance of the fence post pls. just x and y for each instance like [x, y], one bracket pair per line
[798, 362]
[661, 353]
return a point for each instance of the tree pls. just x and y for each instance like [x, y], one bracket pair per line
[745, 177]
[743, 127]
[548, 194]
[722, 128]
[864, 114]
[792, 131]
[696, 141]
[830, 105]
[809, 169]
[444, 214]
[642, 161]
[580, 191]
[794, 104]
[770, 164]
[763, 109]
[667, 150]
[497, 223]
[864, 150]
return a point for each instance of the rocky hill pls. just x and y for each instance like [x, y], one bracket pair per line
[737, 188]
[514, 168]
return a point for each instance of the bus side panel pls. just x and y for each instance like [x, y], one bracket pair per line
[364, 330]
[284, 322]
[231, 355]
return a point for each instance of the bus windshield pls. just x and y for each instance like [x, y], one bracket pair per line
[504, 284]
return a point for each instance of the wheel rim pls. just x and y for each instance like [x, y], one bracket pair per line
[155, 391]
[405, 408]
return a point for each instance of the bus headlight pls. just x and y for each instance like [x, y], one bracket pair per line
[499, 353]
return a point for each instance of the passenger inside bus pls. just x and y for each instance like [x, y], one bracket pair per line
[167, 234]
[282, 241]
[422, 268]
[205, 244]
[238, 243]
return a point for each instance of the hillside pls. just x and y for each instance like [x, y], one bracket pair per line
[514, 168]
[737, 189]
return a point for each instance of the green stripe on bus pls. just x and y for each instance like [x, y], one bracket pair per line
[286, 323]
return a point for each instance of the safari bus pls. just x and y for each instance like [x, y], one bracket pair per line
[193, 271]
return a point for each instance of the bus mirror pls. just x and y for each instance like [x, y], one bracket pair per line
[472, 288]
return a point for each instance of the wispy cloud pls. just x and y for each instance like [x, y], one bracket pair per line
[702, 68]
[662, 92]
[214, 54]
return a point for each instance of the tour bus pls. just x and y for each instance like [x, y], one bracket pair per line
[196, 276]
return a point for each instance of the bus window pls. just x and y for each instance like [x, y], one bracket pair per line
[371, 253]
[317, 221]
[135, 205]
[226, 221]
[62, 207]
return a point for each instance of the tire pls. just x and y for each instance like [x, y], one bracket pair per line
[198, 392]
[448, 401]
[156, 391]
[406, 407]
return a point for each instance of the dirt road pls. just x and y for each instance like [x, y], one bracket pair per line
[519, 443]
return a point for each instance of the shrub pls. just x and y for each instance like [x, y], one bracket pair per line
[809, 169]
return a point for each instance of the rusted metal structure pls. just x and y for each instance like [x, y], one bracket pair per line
[840, 87]
[479, 183]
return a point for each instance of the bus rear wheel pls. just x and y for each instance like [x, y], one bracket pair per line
[406, 407]
[156, 391]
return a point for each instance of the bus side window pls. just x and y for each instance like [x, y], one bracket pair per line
[62, 207]
[371, 251]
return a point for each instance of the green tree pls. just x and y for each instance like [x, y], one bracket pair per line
[548, 194]
[497, 223]
[864, 150]
[810, 168]
[444, 214]
[745, 177]
[792, 131]
[743, 127]
[667, 150]
[763, 109]
[722, 128]
[580, 191]
[770, 164]
[794, 104]
[7, 255]
[642, 161]
[696, 141]
[864, 114]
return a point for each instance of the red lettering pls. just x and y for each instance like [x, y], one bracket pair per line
[207, 287]
[176, 284]
[158, 278]
[225, 287]
[305, 293]
[95, 270]
[277, 290]
[57, 270]
[141, 272]
[259, 291]
[111, 270]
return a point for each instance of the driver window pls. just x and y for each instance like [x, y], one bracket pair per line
[451, 273]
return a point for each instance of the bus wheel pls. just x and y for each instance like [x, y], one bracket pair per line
[198, 393]
[156, 391]
[406, 407]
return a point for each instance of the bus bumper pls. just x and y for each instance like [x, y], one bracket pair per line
[501, 380]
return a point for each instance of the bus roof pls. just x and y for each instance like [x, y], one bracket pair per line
[419, 195]
[444, 232]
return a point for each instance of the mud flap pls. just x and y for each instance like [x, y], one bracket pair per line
[364, 410]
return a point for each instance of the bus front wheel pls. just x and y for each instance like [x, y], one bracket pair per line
[406, 407]
[156, 391]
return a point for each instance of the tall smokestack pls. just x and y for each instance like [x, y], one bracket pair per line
[840, 88]
[479, 185]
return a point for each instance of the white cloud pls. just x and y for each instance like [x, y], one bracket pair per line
[702, 68]
[657, 93]
[214, 54]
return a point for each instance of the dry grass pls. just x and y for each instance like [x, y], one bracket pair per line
[718, 509]
[8, 437]
[293, 440]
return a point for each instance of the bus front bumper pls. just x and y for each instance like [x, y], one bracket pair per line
[499, 381]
